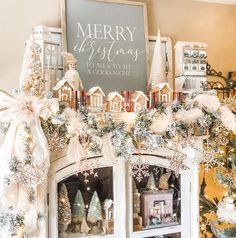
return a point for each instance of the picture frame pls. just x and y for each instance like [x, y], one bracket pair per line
[168, 51]
[128, 59]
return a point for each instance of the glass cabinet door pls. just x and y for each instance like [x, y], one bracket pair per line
[155, 194]
[85, 204]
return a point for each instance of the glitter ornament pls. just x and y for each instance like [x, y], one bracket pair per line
[209, 157]
[139, 170]
[87, 169]
[177, 163]
[221, 134]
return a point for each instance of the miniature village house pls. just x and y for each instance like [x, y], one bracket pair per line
[165, 93]
[65, 92]
[115, 101]
[95, 99]
[138, 101]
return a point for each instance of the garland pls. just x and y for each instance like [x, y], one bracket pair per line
[167, 126]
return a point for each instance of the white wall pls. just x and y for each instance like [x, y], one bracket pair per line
[180, 19]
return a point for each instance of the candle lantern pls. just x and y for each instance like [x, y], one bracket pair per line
[49, 51]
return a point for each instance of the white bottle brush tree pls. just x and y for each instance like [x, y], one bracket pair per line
[78, 209]
[64, 210]
[95, 210]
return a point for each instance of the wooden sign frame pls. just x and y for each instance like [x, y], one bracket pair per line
[124, 2]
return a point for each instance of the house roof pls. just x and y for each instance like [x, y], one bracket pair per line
[111, 95]
[62, 83]
[94, 89]
[160, 86]
[137, 95]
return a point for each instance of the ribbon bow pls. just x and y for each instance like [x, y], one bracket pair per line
[22, 109]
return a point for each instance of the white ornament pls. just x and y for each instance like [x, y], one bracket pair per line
[226, 211]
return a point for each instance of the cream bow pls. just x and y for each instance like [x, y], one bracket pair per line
[26, 109]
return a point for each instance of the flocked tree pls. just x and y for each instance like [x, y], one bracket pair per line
[95, 209]
[64, 211]
[78, 208]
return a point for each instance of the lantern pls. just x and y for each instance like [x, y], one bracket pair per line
[49, 56]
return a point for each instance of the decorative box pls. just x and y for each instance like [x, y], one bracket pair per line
[157, 208]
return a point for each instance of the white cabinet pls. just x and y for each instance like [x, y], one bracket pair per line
[119, 183]
[190, 65]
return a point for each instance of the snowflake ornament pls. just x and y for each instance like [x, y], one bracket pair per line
[140, 170]
[209, 157]
[177, 163]
[87, 169]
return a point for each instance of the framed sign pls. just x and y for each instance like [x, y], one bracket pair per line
[110, 41]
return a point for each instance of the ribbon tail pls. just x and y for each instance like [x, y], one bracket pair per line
[74, 150]
[40, 146]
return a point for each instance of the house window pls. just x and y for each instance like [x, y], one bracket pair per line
[115, 106]
[97, 100]
[164, 98]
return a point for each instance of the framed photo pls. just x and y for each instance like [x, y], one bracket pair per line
[109, 39]
[167, 52]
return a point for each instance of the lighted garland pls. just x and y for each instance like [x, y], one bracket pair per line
[168, 124]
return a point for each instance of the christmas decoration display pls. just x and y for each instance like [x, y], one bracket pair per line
[31, 80]
[33, 125]
[64, 210]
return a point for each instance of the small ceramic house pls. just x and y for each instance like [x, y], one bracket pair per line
[95, 99]
[115, 101]
[138, 101]
[165, 93]
[66, 92]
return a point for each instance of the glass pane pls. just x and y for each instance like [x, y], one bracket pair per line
[177, 235]
[156, 200]
[85, 204]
